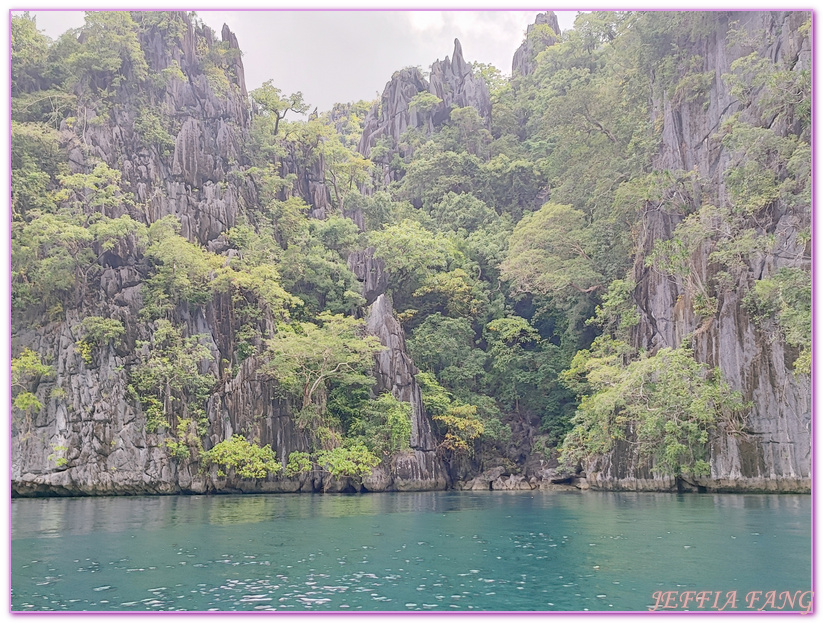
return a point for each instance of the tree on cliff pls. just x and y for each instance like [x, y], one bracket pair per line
[275, 103]
[306, 359]
[550, 250]
[498, 237]
[664, 406]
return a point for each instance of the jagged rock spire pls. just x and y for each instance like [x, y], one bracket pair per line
[535, 42]
[451, 80]
[455, 83]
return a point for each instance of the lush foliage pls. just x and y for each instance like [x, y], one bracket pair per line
[461, 427]
[26, 371]
[98, 332]
[299, 463]
[382, 425]
[355, 460]
[550, 250]
[56, 253]
[243, 458]
[306, 357]
[514, 246]
[783, 303]
[664, 405]
[167, 378]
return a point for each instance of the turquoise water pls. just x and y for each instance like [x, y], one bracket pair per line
[490, 551]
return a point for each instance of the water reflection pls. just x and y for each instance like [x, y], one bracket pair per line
[53, 517]
[415, 551]
[252, 509]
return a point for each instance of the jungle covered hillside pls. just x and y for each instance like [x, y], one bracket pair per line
[598, 266]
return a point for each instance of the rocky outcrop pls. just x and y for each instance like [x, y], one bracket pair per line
[774, 452]
[370, 272]
[454, 82]
[394, 114]
[395, 370]
[543, 33]
[91, 437]
[451, 80]
[207, 121]
[497, 479]
[310, 181]
[420, 468]
[501, 479]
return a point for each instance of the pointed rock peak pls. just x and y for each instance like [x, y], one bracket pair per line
[458, 63]
[543, 33]
[550, 19]
[226, 33]
[229, 37]
[451, 80]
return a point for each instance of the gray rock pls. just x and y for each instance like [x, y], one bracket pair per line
[512, 483]
[418, 470]
[421, 468]
[483, 481]
[370, 272]
[396, 371]
[775, 452]
[380, 479]
[90, 424]
[455, 83]
[523, 62]
[451, 80]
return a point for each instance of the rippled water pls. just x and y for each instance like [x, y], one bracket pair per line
[492, 551]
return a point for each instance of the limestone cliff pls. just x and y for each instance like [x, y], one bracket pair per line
[91, 423]
[452, 81]
[773, 451]
[544, 32]
[91, 437]
[179, 137]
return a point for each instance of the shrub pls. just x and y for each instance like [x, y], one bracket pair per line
[355, 460]
[248, 460]
[665, 405]
[299, 463]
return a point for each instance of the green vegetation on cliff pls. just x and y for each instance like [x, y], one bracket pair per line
[511, 243]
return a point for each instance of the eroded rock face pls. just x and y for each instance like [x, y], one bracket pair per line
[420, 468]
[395, 370]
[394, 115]
[206, 121]
[310, 184]
[775, 452]
[91, 437]
[454, 82]
[451, 80]
[370, 272]
[537, 40]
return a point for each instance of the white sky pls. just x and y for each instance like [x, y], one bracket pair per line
[342, 56]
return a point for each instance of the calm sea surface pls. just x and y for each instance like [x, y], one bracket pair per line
[404, 551]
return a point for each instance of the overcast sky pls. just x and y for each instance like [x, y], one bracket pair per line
[343, 56]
